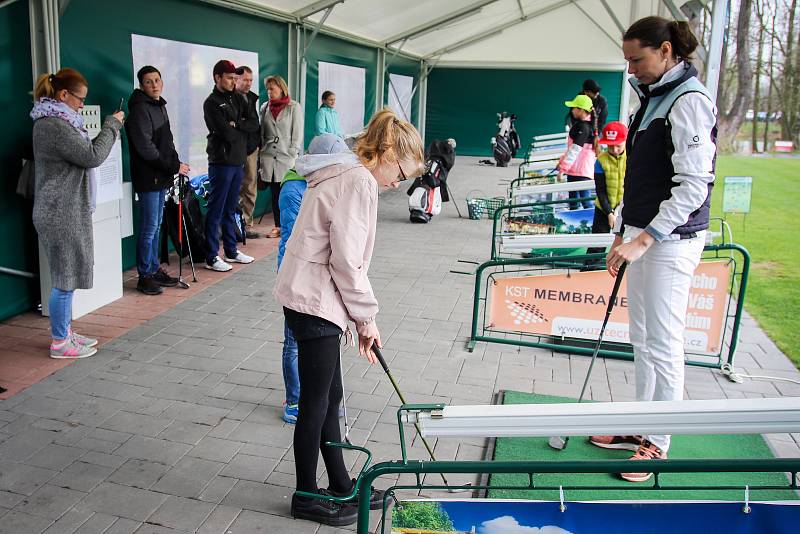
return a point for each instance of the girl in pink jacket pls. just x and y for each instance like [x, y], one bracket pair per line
[579, 159]
[323, 284]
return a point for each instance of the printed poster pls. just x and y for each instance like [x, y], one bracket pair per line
[574, 306]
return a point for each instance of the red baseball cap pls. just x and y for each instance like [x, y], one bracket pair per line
[614, 133]
[224, 66]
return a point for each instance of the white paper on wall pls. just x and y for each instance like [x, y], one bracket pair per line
[400, 88]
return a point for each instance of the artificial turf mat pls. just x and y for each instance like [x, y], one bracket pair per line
[696, 446]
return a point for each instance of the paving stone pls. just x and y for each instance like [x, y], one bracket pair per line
[122, 501]
[185, 432]
[106, 460]
[55, 457]
[69, 522]
[218, 450]
[49, 501]
[26, 443]
[133, 423]
[187, 411]
[138, 473]
[217, 489]
[24, 479]
[17, 522]
[120, 526]
[219, 520]
[246, 467]
[189, 477]
[181, 514]
[157, 450]
[275, 436]
[82, 476]
[259, 497]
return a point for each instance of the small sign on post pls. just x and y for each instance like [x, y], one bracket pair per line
[737, 193]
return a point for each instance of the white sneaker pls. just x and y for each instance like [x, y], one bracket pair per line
[218, 265]
[241, 257]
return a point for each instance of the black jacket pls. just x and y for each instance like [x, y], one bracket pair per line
[253, 138]
[154, 161]
[227, 145]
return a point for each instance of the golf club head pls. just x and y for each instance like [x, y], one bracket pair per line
[460, 489]
[558, 443]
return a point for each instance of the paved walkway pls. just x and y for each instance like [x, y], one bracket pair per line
[175, 426]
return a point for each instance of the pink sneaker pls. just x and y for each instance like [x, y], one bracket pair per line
[82, 340]
[69, 349]
[646, 451]
[628, 443]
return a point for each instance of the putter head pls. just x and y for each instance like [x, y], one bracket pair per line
[558, 443]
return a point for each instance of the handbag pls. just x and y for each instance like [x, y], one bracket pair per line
[26, 184]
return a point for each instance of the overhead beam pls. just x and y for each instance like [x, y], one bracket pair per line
[719, 17]
[617, 41]
[613, 16]
[493, 31]
[316, 7]
[435, 23]
[439, 21]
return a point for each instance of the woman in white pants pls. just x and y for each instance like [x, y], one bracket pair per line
[665, 212]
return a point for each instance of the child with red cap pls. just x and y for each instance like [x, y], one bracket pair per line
[609, 178]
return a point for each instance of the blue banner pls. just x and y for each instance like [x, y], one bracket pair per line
[639, 517]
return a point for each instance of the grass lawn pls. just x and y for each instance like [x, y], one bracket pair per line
[773, 293]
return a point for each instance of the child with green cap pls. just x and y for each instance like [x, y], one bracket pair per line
[579, 159]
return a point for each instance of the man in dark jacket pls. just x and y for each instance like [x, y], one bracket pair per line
[154, 163]
[229, 125]
[249, 192]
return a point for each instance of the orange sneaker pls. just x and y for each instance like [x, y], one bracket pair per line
[628, 443]
[646, 451]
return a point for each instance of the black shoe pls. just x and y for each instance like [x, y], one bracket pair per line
[252, 234]
[163, 279]
[148, 286]
[323, 511]
[375, 497]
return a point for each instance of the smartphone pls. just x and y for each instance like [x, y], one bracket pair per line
[121, 101]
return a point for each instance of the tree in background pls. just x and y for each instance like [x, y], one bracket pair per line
[786, 77]
[422, 515]
[731, 115]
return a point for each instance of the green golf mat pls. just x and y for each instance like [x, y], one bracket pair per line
[697, 446]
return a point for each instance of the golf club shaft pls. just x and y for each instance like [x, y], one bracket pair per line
[344, 402]
[609, 309]
[382, 361]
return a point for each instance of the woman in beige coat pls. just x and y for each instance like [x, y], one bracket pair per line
[323, 285]
[281, 140]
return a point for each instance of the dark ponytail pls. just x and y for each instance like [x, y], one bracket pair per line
[652, 31]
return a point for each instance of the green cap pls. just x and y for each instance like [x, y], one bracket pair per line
[581, 102]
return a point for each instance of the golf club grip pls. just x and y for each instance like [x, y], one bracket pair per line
[618, 279]
[377, 352]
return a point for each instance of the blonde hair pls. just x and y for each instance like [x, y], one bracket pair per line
[47, 85]
[389, 138]
[279, 81]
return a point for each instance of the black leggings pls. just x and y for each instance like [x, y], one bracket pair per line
[275, 193]
[318, 421]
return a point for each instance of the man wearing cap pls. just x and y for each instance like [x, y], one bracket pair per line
[229, 124]
[249, 191]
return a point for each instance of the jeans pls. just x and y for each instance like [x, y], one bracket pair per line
[225, 182]
[583, 193]
[291, 378]
[658, 295]
[60, 304]
[151, 213]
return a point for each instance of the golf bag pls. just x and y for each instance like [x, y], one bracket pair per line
[427, 192]
[193, 216]
[505, 143]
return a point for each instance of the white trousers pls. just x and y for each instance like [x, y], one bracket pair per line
[658, 295]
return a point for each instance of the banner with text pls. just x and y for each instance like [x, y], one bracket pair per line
[574, 305]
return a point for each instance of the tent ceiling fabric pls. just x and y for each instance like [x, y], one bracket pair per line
[542, 33]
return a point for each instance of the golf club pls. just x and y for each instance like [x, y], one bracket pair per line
[558, 442]
[344, 403]
[382, 361]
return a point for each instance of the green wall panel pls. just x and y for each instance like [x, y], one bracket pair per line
[463, 103]
[405, 67]
[96, 40]
[19, 250]
[332, 50]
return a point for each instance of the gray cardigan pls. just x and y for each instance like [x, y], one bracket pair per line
[61, 211]
[278, 157]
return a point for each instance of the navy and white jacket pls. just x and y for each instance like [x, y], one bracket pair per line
[671, 155]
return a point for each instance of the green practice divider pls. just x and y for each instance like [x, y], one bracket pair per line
[17, 234]
[463, 103]
[611, 487]
[95, 38]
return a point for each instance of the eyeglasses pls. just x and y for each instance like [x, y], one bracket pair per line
[403, 176]
[81, 98]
